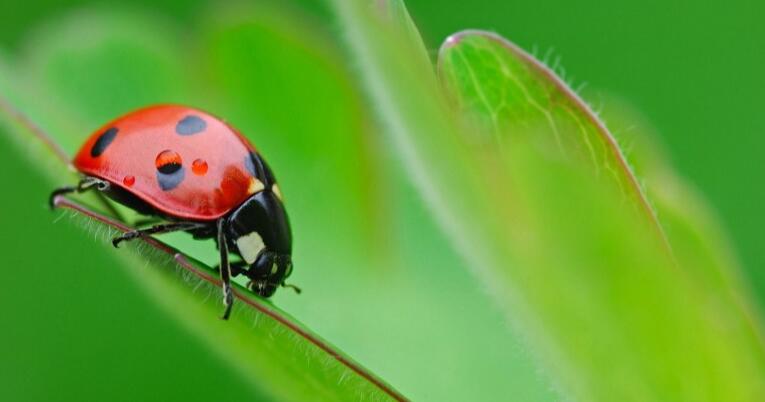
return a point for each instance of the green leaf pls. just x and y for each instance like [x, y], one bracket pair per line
[623, 321]
[506, 93]
[530, 188]
[360, 233]
[697, 237]
[268, 348]
[395, 12]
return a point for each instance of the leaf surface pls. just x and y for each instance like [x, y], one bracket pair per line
[538, 199]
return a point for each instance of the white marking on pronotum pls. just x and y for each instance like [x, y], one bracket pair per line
[255, 186]
[275, 189]
[250, 245]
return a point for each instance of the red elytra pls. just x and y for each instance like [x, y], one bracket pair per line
[180, 160]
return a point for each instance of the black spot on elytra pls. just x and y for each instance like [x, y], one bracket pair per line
[169, 181]
[259, 169]
[103, 142]
[190, 125]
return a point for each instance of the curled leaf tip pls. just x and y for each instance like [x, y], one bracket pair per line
[451, 40]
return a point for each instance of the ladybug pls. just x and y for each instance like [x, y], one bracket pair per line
[199, 175]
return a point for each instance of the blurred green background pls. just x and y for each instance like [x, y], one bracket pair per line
[693, 69]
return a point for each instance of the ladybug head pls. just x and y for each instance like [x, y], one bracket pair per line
[269, 272]
[260, 233]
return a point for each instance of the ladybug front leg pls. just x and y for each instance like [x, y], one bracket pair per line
[87, 183]
[237, 268]
[225, 269]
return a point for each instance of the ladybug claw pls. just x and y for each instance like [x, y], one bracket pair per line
[59, 192]
[226, 313]
[228, 301]
[116, 242]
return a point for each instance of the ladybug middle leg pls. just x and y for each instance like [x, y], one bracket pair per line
[225, 269]
[146, 221]
[156, 229]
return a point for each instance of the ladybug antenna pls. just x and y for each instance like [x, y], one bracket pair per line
[295, 288]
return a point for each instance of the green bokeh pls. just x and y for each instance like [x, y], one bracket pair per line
[693, 69]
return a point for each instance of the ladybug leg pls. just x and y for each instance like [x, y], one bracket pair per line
[145, 221]
[225, 270]
[237, 268]
[85, 184]
[157, 229]
[60, 191]
[108, 205]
